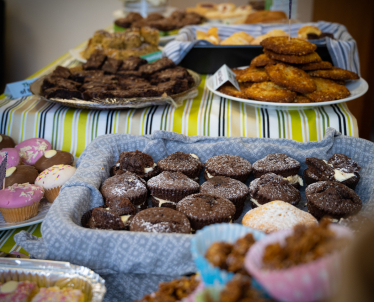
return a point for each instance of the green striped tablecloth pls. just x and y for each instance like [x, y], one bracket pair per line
[72, 129]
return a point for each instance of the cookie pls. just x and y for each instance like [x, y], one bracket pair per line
[333, 199]
[168, 188]
[53, 157]
[232, 166]
[271, 187]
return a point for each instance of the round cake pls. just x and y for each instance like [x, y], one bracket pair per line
[13, 158]
[188, 164]
[333, 199]
[160, 220]
[52, 158]
[232, 166]
[6, 142]
[205, 209]
[32, 149]
[271, 187]
[168, 188]
[280, 164]
[229, 188]
[20, 174]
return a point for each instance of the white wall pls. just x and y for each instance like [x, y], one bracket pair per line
[40, 31]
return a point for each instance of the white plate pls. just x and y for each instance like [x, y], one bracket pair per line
[357, 89]
[75, 53]
[42, 212]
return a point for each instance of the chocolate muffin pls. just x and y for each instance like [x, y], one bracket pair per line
[333, 199]
[6, 142]
[20, 175]
[232, 166]
[280, 164]
[125, 186]
[160, 220]
[231, 189]
[136, 162]
[271, 187]
[188, 164]
[105, 218]
[339, 168]
[170, 187]
[53, 157]
[205, 209]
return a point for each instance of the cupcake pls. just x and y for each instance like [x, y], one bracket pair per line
[280, 164]
[20, 175]
[56, 294]
[32, 149]
[20, 202]
[206, 209]
[271, 187]
[168, 188]
[275, 216]
[333, 199]
[160, 220]
[125, 186]
[229, 188]
[14, 291]
[136, 162]
[188, 164]
[13, 158]
[6, 142]
[52, 158]
[232, 166]
[339, 168]
[53, 178]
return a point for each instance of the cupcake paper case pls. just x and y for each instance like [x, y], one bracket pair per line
[53, 178]
[202, 241]
[308, 282]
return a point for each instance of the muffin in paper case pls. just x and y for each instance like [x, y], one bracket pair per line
[203, 240]
[312, 281]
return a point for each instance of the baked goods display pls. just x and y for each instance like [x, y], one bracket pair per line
[290, 71]
[120, 46]
[104, 78]
[175, 21]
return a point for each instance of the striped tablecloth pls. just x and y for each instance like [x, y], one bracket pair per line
[72, 129]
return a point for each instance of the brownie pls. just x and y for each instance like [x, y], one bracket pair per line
[102, 80]
[121, 206]
[177, 73]
[280, 164]
[271, 187]
[129, 74]
[154, 17]
[168, 188]
[178, 15]
[52, 81]
[206, 209]
[333, 199]
[136, 162]
[161, 64]
[125, 186]
[61, 72]
[80, 76]
[62, 93]
[128, 83]
[106, 219]
[132, 63]
[93, 93]
[232, 166]
[117, 94]
[231, 189]
[111, 65]
[188, 164]
[160, 220]
[339, 168]
[163, 24]
[94, 62]
[172, 87]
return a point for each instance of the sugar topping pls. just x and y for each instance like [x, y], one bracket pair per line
[225, 187]
[55, 176]
[226, 164]
[172, 180]
[276, 162]
[181, 162]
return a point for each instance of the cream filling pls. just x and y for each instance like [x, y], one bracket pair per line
[340, 175]
[125, 218]
[255, 202]
[195, 156]
[162, 201]
[208, 174]
[147, 170]
[295, 179]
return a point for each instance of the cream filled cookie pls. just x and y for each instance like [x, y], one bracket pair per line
[32, 149]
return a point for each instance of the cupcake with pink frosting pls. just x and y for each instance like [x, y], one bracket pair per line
[13, 159]
[20, 202]
[32, 149]
[53, 178]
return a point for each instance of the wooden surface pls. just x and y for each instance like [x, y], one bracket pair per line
[358, 17]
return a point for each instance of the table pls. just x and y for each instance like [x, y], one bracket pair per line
[72, 129]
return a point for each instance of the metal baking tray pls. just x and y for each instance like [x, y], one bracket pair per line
[54, 273]
[175, 100]
[207, 59]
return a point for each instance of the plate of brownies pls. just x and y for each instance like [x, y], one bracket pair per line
[107, 83]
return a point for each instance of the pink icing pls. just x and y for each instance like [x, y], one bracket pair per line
[32, 149]
[21, 294]
[20, 195]
[13, 157]
[55, 176]
[56, 294]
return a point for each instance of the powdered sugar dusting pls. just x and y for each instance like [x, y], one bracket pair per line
[276, 161]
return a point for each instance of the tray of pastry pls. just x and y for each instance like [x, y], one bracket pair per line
[107, 83]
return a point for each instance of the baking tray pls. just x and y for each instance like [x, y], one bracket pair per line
[54, 273]
[207, 59]
[175, 100]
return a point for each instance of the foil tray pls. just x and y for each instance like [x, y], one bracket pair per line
[175, 100]
[54, 273]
